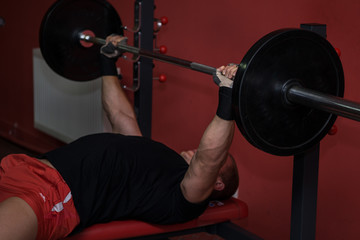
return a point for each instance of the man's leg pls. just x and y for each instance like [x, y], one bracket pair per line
[17, 220]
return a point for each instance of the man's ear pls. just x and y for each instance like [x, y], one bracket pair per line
[219, 184]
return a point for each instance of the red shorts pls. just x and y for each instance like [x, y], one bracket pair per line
[43, 188]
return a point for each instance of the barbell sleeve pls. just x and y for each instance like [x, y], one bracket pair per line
[325, 102]
[153, 55]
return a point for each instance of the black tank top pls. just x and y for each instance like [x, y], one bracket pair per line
[116, 177]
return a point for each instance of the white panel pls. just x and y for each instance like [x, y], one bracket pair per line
[66, 109]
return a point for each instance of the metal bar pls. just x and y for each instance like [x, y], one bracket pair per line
[294, 94]
[324, 102]
[154, 55]
[143, 68]
[305, 181]
[304, 195]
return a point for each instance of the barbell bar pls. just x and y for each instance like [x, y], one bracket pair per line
[292, 94]
[287, 91]
[314, 99]
[153, 55]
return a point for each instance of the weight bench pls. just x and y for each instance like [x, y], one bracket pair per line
[214, 220]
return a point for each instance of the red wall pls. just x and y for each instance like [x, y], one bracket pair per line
[213, 33]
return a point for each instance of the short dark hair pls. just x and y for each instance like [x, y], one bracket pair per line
[230, 176]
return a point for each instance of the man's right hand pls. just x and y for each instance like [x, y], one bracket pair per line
[226, 75]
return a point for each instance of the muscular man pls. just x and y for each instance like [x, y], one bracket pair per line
[121, 175]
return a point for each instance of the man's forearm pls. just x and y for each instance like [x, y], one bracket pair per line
[212, 152]
[216, 141]
[118, 108]
[204, 168]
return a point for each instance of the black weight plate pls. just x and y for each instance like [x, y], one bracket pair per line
[59, 36]
[262, 114]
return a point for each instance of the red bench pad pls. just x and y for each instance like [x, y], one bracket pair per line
[220, 212]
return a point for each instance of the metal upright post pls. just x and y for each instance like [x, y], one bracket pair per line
[305, 181]
[304, 195]
[143, 69]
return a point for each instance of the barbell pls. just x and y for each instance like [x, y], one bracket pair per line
[287, 91]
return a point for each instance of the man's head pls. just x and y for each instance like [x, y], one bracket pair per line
[228, 180]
